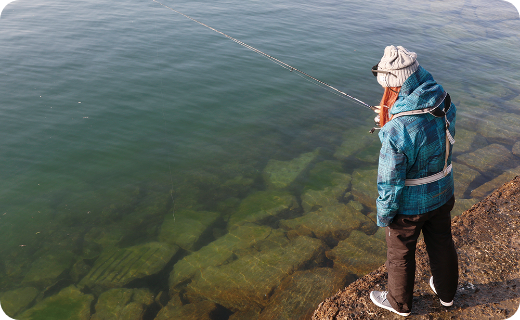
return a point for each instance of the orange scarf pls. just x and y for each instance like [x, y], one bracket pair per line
[389, 97]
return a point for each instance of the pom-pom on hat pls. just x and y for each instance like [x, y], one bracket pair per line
[396, 66]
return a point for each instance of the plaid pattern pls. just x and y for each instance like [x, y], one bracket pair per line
[413, 147]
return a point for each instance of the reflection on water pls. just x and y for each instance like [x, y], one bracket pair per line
[204, 182]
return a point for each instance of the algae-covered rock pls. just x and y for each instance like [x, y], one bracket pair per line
[490, 186]
[280, 174]
[314, 199]
[323, 174]
[17, 300]
[185, 227]
[467, 140]
[364, 187]
[48, 269]
[370, 154]
[263, 206]
[69, 304]
[463, 176]
[217, 252]
[300, 293]
[122, 304]
[491, 157]
[354, 141]
[330, 223]
[117, 267]
[501, 127]
[462, 205]
[359, 254]
[250, 280]
[193, 311]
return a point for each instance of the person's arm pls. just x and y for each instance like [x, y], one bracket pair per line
[390, 178]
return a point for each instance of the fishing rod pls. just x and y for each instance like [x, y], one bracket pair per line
[278, 62]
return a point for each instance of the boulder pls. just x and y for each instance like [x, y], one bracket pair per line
[324, 174]
[364, 187]
[331, 223]
[69, 304]
[264, 207]
[248, 282]
[354, 141]
[280, 174]
[360, 254]
[300, 293]
[370, 154]
[494, 156]
[462, 205]
[497, 182]
[463, 176]
[122, 304]
[218, 252]
[500, 127]
[468, 140]
[17, 300]
[117, 267]
[185, 227]
[193, 311]
[48, 269]
[516, 149]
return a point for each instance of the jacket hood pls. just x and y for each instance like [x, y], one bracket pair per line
[419, 91]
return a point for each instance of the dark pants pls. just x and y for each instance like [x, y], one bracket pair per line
[401, 239]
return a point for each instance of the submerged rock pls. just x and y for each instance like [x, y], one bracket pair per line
[370, 154]
[468, 140]
[122, 304]
[185, 227]
[300, 293]
[324, 174]
[488, 158]
[69, 304]
[249, 281]
[117, 267]
[218, 252]
[516, 149]
[280, 174]
[364, 187]
[17, 300]
[193, 311]
[489, 186]
[46, 270]
[463, 176]
[462, 205]
[501, 127]
[331, 223]
[355, 140]
[360, 254]
[263, 207]
[314, 199]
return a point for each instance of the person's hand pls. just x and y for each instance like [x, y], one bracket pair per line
[376, 109]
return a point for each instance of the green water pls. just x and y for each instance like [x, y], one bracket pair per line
[119, 116]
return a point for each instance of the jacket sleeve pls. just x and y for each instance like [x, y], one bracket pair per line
[391, 176]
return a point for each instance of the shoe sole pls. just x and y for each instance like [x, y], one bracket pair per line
[387, 308]
[446, 304]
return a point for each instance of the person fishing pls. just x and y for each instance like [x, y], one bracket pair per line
[415, 179]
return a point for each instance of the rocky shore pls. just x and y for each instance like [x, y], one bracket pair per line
[487, 237]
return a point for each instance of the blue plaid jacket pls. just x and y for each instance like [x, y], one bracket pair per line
[413, 147]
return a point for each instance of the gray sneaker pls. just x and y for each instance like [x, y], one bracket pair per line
[446, 304]
[379, 299]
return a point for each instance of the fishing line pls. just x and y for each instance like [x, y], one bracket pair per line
[278, 62]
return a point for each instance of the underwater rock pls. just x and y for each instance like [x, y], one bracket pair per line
[193, 311]
[359, 254]
[263, 207]
[331, 223]
[314, 199]
[354, 141]
[249, 281]
[467, 140]
[516, 149]
[280, 174]
[462, 205]
[117, 267]
[300, 293]
[185, 227]
[217, 252]
[488, 158]
[245, 315]
[122, 304]
[490, 186]
[105, 236]
[462, 176]
[46, 270]
[500, 127]
[370, 154]
[69, 304]
[364, 187]
[323, 174]
[17, 300]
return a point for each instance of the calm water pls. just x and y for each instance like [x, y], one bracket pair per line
[121, 104]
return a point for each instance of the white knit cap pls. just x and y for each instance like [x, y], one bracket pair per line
[399, 64]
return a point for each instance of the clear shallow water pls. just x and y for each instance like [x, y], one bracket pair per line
[129, 105]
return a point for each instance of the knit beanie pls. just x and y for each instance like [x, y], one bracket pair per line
[399, 64]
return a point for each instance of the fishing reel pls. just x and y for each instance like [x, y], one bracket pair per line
[376, 120]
